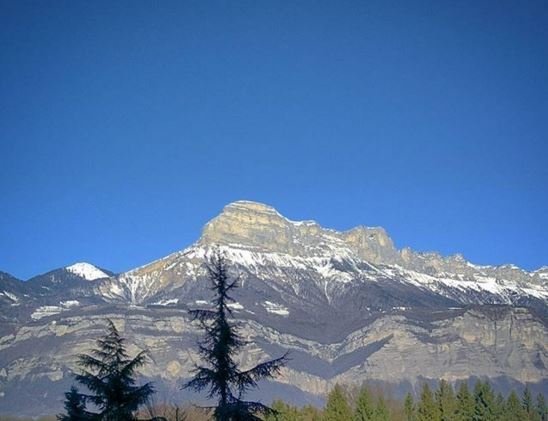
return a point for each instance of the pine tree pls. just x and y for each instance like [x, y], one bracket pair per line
[337, 408]
[409, 407]
[499, 406]
[381, 410]
[541, 408]
[109, 373]
[465, 403]
[527, 402]
[364, 406]
[445, 399]
[484, 408]
[310, 413]
[427, 409]
[281, 411]
[75, 407]
[221, 375]
[513, 408]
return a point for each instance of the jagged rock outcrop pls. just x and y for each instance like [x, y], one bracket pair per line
[349, 306]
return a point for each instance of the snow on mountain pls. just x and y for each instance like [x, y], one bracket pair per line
[257, 240]
[349, 305]
[87, 271]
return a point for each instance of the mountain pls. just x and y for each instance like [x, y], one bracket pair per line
[11, 289]
[349, 306]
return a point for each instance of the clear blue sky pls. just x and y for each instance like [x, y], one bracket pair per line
[126, 126]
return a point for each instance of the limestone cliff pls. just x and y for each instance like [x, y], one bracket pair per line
[349, 306]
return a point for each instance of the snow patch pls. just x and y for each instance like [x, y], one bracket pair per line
[166, 302]
[45, 311]
[276, 308]
[11, 296]
[86, 271]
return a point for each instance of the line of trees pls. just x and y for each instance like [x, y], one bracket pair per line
[442, 404]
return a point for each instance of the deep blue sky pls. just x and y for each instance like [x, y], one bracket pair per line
[125, 127]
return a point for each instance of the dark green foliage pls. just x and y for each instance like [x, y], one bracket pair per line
[427, 410]
[221, 377]
[282, 412]
[541, 409]
[445, 399]
[310, 413]
[528, 405]
[465, 403]
[370, 404]
[484, 399]
[409, 408]
[337, 408]
[381, 410]
[109, 374]
[364, 406]
[499, 406]
[513, 408]
[75, 407]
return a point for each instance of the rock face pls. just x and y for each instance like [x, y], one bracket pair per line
[349, 307]
[261, 227]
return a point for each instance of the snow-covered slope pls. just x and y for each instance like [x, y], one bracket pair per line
[349, 306]
[87, 271]
[302, 258]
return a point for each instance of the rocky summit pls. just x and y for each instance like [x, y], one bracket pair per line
[349, 306]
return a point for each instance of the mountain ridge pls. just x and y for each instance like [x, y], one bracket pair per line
[348, 305]
[406, 253]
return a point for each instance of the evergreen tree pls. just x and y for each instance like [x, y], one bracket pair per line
[445, 399]
[75, 407]
[281, 411]
[484, 399]
[337, 408]
[109, 373]
[465, 403]
[527, 402]
[221, 375]
[499, 406]
[364, 406]
[310, 413]
[513, 409]
[409, 407]
[541, 409]
[381, 410]
[427, 410]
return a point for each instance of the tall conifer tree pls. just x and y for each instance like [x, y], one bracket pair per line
[541, 408]
[513, 408]
[427, 410]
[381, 410]
[75, 407]
[445, 398]
[409, 407]
[465, 403]
[484, 399]
[109, 374]
[527, 402]
[364, 406]
[221, 376]
[337, 408]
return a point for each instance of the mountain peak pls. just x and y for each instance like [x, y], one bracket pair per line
[249, 224]
[254, 225]
[245, 205]
[87, 271]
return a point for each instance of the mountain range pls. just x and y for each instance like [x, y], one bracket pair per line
[349, 306]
